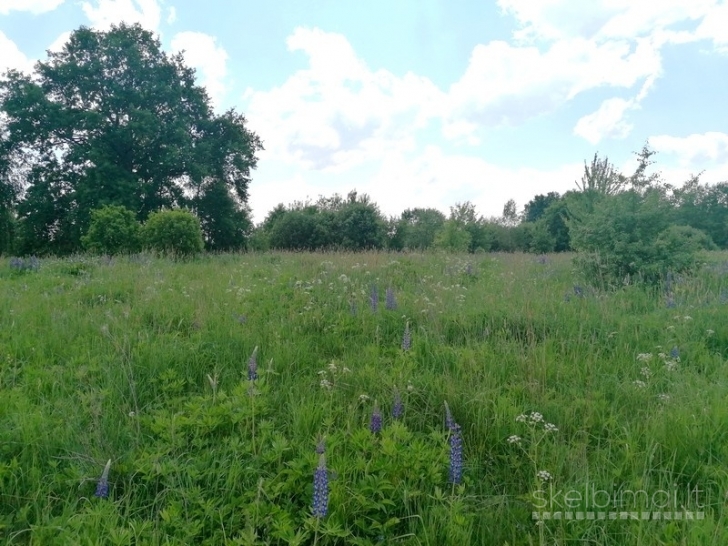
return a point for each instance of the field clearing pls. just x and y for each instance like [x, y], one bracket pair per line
[145, 362]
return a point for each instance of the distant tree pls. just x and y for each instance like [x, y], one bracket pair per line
[173, 232]
[113, 230]
[225, 223]
[113, 119]
[418, 227]
[360, 225]
[299, 230]
[537, 206]
[600, 177]
[453, 237]
[510, 213]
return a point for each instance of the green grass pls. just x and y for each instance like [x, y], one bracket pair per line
[145, 362]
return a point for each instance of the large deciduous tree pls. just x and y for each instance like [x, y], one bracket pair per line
[112, 119]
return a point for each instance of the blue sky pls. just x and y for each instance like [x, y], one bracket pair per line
[433, 102]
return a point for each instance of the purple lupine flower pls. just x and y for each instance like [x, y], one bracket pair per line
[374, 298]
[390, 303]
[375, 424]
[321, 489]
[320, 445]
[449, 421]
[352, 308]
[578, 291]
[406, 338]
[675, 353]
[102, 487]
[456, 455]
[253, 365]
[469, 270]
[398, 408]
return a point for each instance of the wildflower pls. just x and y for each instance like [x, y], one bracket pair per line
[469, 270]
[521, 418]
[550, 427]
[544, 475]
[663, 397]
[449, 421]
[535, 418]
[675, 353]
[390, 303]
[374, 298]
[406, 338]
[687, 317]
[363, 397]
[320, 445]
[253, 365]
[326, 384]
[710, 332]
[644, 357]
[456, 455]
[640, 384]
[375, 424]
[102, 487]
[578, 291]
[410, 387]
[670, 365]
[398, 407]
[646, 372]
[332, 366]
[321, 489]
[513, 439]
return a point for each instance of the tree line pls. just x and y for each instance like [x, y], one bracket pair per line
[113, 128]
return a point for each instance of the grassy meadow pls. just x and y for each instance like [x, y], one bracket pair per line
[598, 408]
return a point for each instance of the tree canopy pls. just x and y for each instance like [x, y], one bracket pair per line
[112, 119]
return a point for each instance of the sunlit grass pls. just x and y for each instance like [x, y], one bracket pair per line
[145, 362]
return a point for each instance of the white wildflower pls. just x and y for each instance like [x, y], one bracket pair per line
[644, 357]
[535, 418]
[544, 475]
[640, 384]
[325, 384]
[363, 398]
[664, 397]
[710, 332]
[646, 373]
[550, 427]
[514, 439]
[521, 418]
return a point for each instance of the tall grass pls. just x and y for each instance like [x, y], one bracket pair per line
[145, 362]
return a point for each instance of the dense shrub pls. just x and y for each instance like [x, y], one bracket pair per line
[113, 230]
[175, 232]
[628, 238]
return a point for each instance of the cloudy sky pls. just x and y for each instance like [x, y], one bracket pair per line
[433, 102]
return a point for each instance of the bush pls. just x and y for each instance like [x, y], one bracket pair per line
[113, 230]
[175, 232]
[628, 238]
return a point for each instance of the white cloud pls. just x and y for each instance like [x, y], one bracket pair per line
[12, 57]
[695, 149]
[607, 121]
[602, 19]
[33, 6]
[202, 52]
[171, 15]
[338, 113]
[59, 42]
[505, 84]
[104, 13]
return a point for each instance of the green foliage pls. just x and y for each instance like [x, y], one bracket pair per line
[7, 231]
[536, 208]
[144, 137]
[173, 232]
[628, 238]
[113, 230]
[360, 226]
[299, 230]
[453, 237]
[416, 229]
